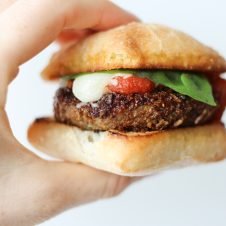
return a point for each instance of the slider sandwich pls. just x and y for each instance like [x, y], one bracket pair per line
[135, 99]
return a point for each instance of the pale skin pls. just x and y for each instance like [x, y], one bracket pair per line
[32, 189]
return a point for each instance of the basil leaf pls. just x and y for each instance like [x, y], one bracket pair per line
[199, 87]
[169, 79]
[194, 85]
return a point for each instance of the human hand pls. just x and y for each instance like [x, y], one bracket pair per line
[32, 189]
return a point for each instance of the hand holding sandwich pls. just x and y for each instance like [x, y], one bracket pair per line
[31, 189]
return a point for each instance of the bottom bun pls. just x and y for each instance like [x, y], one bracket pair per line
[130, 154]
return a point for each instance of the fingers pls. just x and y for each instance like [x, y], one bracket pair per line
[36, 24]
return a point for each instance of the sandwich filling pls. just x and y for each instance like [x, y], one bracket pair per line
[131, 100]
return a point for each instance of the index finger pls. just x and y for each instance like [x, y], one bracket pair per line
[36, 24]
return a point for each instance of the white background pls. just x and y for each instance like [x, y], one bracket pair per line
[192, 196]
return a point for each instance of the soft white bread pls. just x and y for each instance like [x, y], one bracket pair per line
[130, 154]
[135, 46]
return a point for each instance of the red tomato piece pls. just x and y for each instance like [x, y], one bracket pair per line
[130, 84]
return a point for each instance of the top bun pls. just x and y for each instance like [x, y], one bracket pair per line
[135, 46]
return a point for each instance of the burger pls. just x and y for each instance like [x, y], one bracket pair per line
[135, 99]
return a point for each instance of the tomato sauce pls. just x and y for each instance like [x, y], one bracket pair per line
[130, 84]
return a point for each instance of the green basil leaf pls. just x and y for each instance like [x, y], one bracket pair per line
[199, 88]
[194, 85]
[169, 79]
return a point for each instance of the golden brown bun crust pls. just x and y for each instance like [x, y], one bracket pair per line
[130, 154]
[135, 46]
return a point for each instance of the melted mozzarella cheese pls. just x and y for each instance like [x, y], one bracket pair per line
[91, 87]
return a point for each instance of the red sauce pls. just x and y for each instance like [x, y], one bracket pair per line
[130, 84]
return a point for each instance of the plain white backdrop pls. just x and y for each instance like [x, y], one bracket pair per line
[190, 196]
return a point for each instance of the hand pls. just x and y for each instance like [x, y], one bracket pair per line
[32, 189]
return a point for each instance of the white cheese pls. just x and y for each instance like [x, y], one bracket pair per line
[91, 87]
